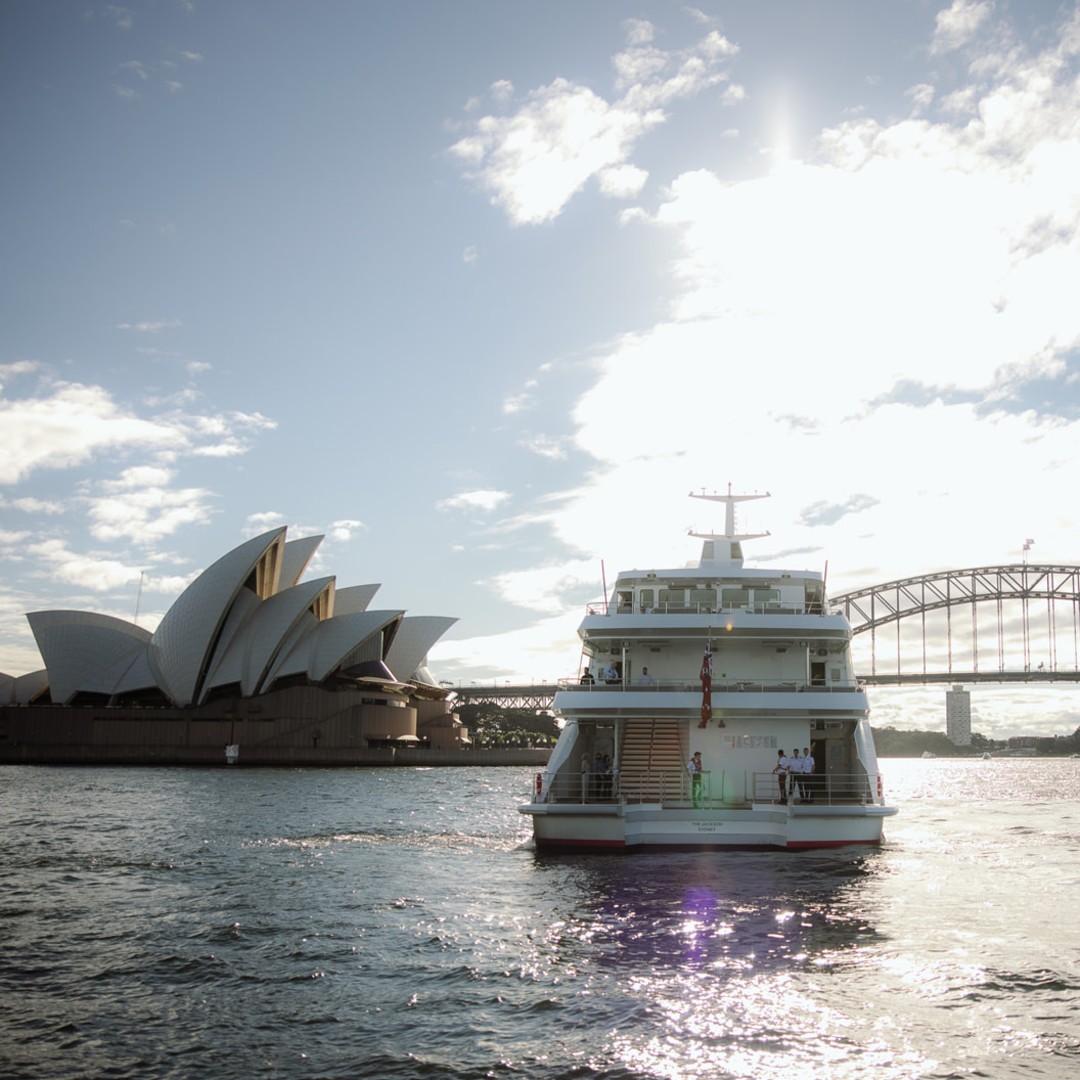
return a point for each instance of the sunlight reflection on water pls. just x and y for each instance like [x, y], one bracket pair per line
[333, 923]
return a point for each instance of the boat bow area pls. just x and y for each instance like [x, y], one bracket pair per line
[716, 705]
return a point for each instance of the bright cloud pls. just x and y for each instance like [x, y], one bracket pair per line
[98, 573]
[474, 500]
[65, 426]
[535, 159]
[344, 530]
[851, 328]
[956, 25]
[142, 506]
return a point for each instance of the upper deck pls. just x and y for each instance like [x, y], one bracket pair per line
[678, 593]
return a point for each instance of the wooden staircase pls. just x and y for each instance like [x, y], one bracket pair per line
[652, 761]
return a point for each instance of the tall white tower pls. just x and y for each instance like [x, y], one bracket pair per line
[958, 716]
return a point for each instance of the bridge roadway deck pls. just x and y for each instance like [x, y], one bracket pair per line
[541, 697]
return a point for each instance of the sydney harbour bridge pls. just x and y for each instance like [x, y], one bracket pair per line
[987, 624]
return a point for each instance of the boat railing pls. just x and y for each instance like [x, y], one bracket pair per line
[651, 785]
[582, 787]
[719, 686]
[674, 788]
[667, 607]
[820, 789]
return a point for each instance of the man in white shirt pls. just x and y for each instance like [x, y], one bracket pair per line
[807, 782]
[781, 770]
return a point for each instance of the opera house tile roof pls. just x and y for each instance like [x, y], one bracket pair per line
[244, 625]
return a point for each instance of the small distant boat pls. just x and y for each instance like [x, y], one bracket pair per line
[986, 755]
[928, 754]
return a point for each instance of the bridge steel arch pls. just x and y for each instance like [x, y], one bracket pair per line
[1015, 592]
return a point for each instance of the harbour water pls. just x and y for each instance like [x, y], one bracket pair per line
[397, 923]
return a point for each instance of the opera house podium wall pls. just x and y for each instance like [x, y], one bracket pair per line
[298, 726]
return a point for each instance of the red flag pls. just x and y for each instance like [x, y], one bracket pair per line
[706, 686]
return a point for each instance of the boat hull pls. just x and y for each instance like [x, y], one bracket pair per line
[652, 827]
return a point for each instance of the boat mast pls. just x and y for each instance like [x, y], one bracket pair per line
[729, 541]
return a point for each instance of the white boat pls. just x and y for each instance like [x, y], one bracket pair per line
[736, 663]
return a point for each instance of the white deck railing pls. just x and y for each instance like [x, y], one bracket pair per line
[673, 788]
[719, 686]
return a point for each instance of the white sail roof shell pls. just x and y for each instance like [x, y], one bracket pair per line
[255, 647]
[413, 640]
[296, 556]
[85, 651]
[179, 651]
[28, 686]
[354, 598]
[321, 650]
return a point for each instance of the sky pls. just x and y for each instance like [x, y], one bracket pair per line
[481, 290]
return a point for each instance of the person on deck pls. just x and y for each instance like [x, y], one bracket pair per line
[807, 781]
[695, 768]
[781, 770]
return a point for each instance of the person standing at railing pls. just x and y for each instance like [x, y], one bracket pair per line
[695, 768]
[806, 781]
[781, 770]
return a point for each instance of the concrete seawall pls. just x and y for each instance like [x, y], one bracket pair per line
[53, 735]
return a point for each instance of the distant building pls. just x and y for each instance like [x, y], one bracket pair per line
[958, 716]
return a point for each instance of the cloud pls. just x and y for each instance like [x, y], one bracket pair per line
[344, 530]
[123, 17]
[884, 334]
[66, 426]
[96, 572]
[8, 372]
[821, 513]
[547, 446]
[622, 181]
[474, 500]
[534, 160]
[544, 650]
[63, 425]
[150, 327]
[958, 24]
[136, 68]
[143, 507]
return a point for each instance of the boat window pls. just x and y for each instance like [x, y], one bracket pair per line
[703, 597]
[672, 597]
[646, 597]
[766, 597]
[735, 597]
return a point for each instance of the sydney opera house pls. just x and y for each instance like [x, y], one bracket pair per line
[249, 657]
